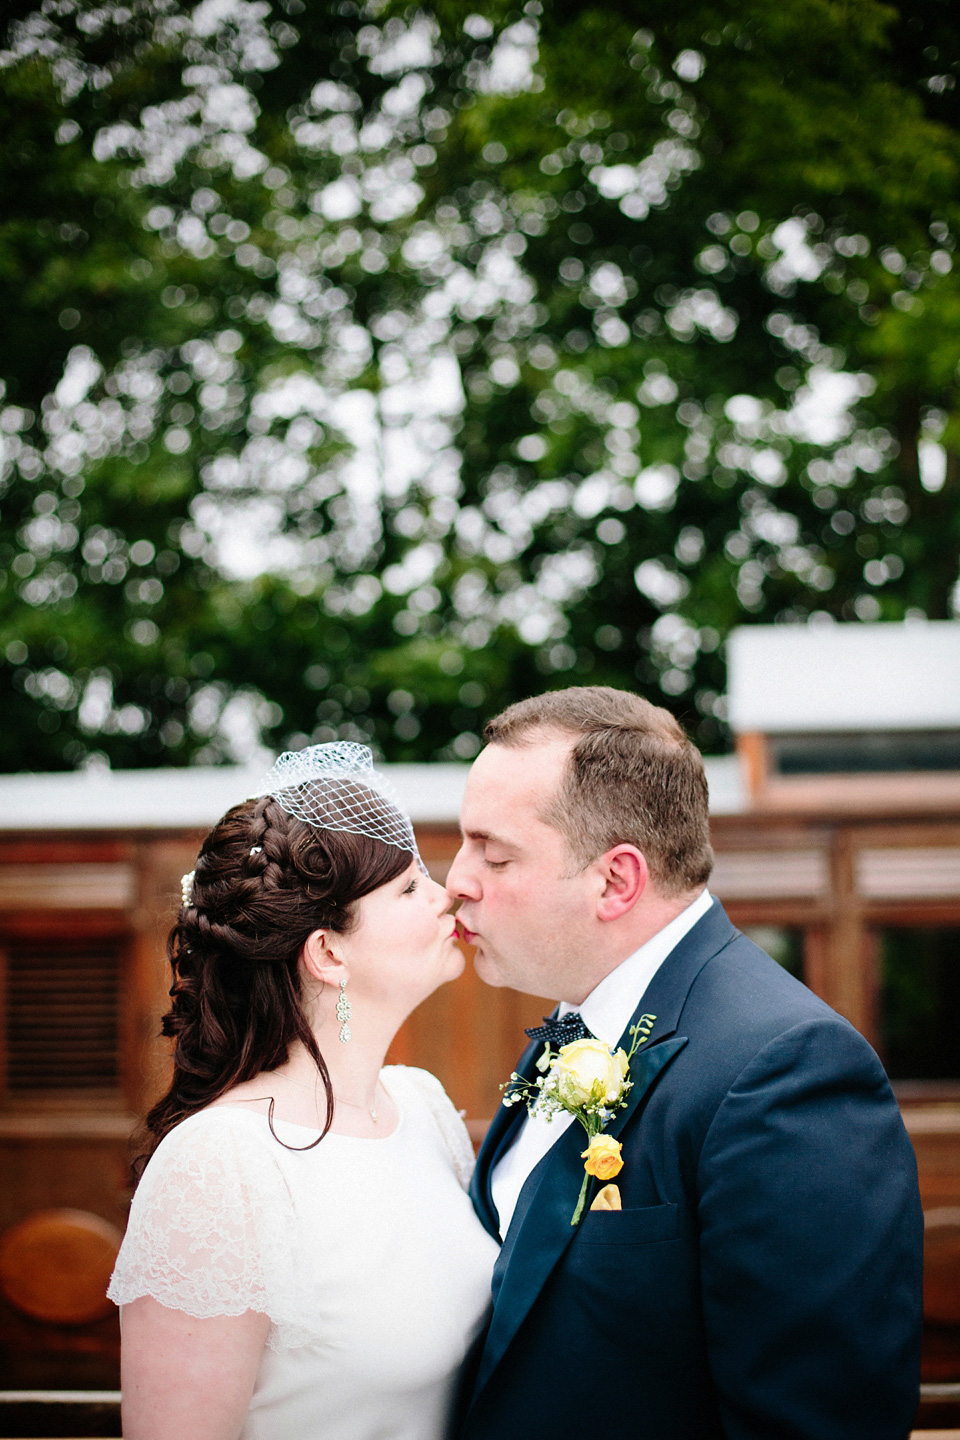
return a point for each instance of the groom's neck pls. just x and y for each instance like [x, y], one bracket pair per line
[617, 940]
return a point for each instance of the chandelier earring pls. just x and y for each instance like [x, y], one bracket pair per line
[344, 1012]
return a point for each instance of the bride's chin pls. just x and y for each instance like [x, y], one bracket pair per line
[457, 964]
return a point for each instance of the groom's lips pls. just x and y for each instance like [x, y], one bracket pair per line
[468, 936]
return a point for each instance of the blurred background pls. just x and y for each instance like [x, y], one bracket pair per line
[364, 368]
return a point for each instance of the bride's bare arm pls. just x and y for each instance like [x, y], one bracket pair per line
[185, 1377]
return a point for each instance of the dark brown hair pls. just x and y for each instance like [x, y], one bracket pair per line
[633, 777]
[263, 882]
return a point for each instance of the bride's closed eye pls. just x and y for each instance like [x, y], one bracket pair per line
[409, 889]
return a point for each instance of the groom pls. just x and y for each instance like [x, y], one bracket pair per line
[762, 1278]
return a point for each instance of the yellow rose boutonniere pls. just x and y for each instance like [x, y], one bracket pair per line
[590, 1081]
[589, 1072]
[602, 1157]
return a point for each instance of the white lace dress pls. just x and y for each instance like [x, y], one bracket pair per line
[365, 1254]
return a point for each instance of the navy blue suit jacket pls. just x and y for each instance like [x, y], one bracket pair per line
[763, 1279]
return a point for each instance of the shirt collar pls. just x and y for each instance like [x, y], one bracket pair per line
[609, 1006]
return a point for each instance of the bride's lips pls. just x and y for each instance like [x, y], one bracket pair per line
[468, 936]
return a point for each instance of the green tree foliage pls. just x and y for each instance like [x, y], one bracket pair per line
[367, 369]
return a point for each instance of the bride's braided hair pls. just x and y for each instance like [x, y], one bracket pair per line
[264, 881]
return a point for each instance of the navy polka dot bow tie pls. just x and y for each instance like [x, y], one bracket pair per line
[568, 1028]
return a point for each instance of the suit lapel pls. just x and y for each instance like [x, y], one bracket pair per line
[540, 1230]
[502, 1129]
[539, 1233]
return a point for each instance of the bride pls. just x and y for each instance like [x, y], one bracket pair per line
[302, 1258]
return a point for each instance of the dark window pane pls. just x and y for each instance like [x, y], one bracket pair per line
[783, 943]
[920, 1003]
[865, 753]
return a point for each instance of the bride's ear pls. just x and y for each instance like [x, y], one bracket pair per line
[321, 960]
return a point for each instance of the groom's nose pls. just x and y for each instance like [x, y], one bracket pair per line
[461, 885]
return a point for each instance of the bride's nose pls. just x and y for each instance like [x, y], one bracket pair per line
[440, 897]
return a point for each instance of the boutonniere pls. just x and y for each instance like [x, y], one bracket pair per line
[590, 1081]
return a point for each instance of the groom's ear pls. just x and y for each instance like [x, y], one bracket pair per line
[624, 875]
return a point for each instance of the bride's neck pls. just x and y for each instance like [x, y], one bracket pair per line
[354, 1075]
[354, 1065]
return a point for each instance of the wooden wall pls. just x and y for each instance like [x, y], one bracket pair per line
[836, 877]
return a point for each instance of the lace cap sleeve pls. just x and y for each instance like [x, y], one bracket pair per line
[448, 1119]
[210, 1227]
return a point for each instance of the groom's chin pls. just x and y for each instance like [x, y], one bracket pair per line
[487, 971]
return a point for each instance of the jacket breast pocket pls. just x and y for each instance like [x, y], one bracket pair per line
[647, 1226]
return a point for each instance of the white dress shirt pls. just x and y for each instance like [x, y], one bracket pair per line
[606, 1013]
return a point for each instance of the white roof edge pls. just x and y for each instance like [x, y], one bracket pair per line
[195, 797]
[892, 676]
[725, 781]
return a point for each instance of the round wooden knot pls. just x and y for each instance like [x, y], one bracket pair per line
[56, 1265]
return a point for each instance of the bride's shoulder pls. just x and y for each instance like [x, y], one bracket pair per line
[406, 1082]
[206, 1126]
[411, 1077]
[220, 1140]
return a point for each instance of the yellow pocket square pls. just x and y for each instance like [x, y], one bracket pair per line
[607, 1199]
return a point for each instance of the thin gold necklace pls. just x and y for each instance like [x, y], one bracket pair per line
[351, 1104]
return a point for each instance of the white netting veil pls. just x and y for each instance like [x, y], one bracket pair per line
[335, 787]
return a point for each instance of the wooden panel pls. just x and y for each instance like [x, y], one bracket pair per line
[848, 983]
[815, 959]
[941, 1264]
[754, 753]
[29, 1124]
[918, 793]
[470, 1035]
[50, 1357]
[438, 845]
[62, 850]
[67, 887]
[146, 1057]
[935, 1133]
[909, 873]
[770, 874]
[44, 1173]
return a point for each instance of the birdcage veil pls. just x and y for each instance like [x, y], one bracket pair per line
[336, 787]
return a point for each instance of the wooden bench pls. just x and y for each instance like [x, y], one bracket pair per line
[95, 1415]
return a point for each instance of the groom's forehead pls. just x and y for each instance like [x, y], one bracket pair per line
[509, 784]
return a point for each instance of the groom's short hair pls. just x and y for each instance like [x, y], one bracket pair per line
[633, 777]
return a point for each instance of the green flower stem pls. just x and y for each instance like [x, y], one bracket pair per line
[582, 1201]
[593, 1127]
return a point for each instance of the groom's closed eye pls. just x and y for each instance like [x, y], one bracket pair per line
[496, 854]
